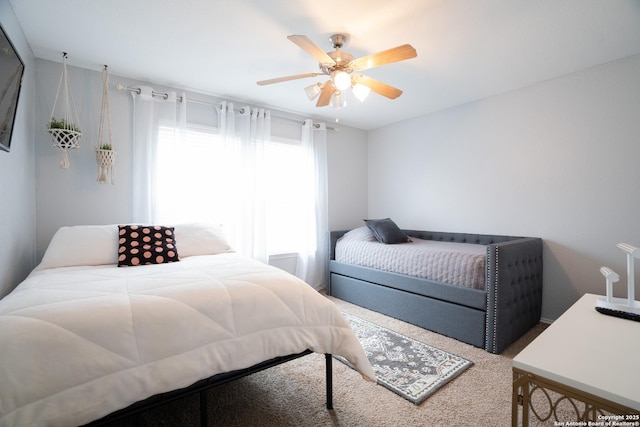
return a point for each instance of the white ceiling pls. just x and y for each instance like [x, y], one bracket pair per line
[467, 49]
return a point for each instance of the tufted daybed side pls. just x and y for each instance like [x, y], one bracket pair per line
[491, 319]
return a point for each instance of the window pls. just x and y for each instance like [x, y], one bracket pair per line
[187, 177]
[195, 183]
[285, 216]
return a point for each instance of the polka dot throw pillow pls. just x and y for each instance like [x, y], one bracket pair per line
[146, 244]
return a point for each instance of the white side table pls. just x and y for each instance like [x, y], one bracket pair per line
[586, 357]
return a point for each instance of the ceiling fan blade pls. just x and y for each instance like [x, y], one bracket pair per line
[287, 78]
[377, 86]
[399, 53]
[312, 49]
[325, 95]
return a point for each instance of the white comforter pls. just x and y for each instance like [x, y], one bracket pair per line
[77, 343]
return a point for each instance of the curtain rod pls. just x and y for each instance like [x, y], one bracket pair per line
[164, 95]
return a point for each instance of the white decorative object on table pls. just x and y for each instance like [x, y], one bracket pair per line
[627, 308]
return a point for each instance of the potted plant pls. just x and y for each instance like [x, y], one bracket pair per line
[105, 156]
[64, 133]
[62, 124]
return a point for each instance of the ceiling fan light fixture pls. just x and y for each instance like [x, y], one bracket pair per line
[314, 90]
[361, 91]
[338, 100]
[341, 80]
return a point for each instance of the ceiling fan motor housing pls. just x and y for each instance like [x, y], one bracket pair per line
[341, 59]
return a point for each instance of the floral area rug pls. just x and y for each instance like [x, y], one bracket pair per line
[410, 368]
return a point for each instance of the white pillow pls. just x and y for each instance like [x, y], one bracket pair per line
[200, 239]
[360, 234]
[82, 245]
[98, 244]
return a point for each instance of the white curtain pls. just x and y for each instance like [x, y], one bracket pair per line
[246, 134]
[313, 257]
[149, 113]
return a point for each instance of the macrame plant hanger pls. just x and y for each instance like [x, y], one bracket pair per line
[105, 153]
[65, 130]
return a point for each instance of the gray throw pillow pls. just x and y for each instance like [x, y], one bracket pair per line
[386, 231]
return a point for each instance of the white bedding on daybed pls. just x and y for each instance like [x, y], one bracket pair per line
[460, 264]
[80, 342]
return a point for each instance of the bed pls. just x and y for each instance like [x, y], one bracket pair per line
[486, 291]
[95, 330]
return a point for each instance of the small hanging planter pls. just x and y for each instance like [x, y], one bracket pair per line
[65, 131]
[105, 154]
[105, 157]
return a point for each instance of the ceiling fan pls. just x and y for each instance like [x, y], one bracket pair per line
[341, 67]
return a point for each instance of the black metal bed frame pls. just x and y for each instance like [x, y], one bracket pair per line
[202, 386]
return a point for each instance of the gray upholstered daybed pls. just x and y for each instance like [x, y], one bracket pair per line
[507, 306]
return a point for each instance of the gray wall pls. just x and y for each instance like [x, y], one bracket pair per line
[557, 160]
[72, 196]
[17, 173]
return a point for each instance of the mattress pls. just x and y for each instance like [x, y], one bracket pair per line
[459, 264]
[80, 342]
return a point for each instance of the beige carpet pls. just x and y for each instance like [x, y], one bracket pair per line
[293, 394]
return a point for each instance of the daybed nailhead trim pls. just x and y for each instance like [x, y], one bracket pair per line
[486, 316]
[491, 347]
[486, 326]
[495, 306]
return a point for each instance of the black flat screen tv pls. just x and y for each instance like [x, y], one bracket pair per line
[11, 72]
